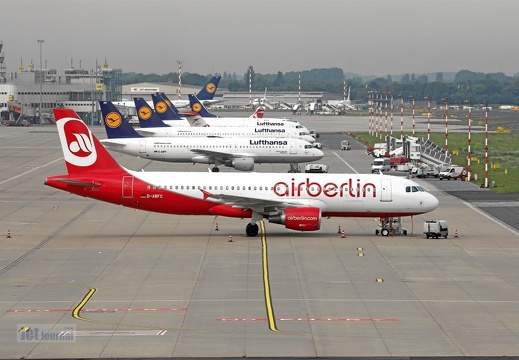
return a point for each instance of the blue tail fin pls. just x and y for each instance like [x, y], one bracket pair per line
[198, 107]
[207, 93]
[147, 117]
[164, 108]
[115, 124]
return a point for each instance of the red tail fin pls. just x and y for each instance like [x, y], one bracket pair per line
[258, 113]
[81, 149]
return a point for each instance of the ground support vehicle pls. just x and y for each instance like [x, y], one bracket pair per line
[436, 229]
[316, 168]
[391, 226]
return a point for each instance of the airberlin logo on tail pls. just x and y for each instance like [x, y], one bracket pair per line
[77, 142]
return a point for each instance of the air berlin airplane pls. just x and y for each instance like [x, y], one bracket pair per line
[298, 201]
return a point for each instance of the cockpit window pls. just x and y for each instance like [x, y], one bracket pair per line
[414, 189]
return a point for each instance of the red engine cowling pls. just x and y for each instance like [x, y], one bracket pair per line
[302, 219]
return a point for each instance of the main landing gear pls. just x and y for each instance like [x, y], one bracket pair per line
[215, 169]
[252, 230]
[294, 168]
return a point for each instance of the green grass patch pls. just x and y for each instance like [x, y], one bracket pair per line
[503, 156]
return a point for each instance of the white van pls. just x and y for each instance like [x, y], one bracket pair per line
[453, 172]
[380, 164]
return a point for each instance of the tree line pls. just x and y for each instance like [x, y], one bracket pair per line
[481, 88]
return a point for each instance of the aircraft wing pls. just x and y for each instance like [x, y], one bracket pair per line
[262, 206]
[146, 132]
[112, 144]
[221, 155]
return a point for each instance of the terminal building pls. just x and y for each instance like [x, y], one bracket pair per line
[27, 96]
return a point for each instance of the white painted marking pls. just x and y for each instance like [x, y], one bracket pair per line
[28, 171]
[344, 161]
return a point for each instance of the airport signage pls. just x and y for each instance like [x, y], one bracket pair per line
[150, 90]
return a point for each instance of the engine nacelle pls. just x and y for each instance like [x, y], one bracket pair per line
[302, 219]
[243, 163]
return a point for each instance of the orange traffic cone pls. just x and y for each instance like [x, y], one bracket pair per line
[456, 233]
[230, 239]
[216, 227]
[8, 234]
[342, 234]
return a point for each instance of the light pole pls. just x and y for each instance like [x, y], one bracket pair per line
[428, 116]
[41, 81]
[413, 96]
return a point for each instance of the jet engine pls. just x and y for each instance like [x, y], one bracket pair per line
[243, 163]
[302, 219]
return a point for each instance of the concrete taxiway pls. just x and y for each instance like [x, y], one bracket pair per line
[115, 282]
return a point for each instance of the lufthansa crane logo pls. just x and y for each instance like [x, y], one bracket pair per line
[210, 88]
[145, 112]
[197, 107]
[113, 120]
[161, 107]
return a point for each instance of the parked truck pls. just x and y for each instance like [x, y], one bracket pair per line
[453, 172]
[435, 229]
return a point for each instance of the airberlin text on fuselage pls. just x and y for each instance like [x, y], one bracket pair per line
[351, 187]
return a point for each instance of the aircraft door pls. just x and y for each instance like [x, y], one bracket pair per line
[293, 147]
[142, 146]
[386, 193]
[127, 187]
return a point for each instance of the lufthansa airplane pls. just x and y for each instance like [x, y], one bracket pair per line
[297, 201]
[240, 153]
[212, 120]
[152, 125]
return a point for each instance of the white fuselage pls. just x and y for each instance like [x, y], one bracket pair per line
[234, 132]
[207, 150]
[362, 195]
[247, 122]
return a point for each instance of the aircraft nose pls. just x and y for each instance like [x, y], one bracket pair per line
[430, 202]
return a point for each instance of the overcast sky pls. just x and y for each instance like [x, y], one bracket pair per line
[369, 37]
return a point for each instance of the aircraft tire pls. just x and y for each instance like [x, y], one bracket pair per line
[215, 169]
[384, 232]
[252, 230]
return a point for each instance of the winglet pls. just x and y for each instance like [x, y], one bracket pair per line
[206, 194]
